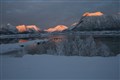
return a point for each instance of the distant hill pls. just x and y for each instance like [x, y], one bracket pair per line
[99, 23]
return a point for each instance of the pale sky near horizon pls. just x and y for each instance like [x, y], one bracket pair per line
[49, 13]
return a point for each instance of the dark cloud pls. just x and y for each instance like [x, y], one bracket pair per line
[47, 13]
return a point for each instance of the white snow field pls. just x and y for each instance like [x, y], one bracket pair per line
[49, 67]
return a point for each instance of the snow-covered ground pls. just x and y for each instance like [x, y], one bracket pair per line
[49, 67]
[4, 48]
[39, 66]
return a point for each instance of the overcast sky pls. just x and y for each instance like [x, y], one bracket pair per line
[49, 13]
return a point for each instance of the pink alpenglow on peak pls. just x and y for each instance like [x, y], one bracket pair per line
[57, 28]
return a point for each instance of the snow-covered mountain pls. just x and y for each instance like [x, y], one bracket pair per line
[87, 23]
[98, 23]
[27, 28]
[57, 28]
[10, 29]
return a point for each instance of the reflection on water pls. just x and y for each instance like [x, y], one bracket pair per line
[66, 46]
[7, 41]
[57, 39]
[22, 40]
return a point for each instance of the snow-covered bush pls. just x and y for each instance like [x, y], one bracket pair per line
[82, 47]
[72, 46]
